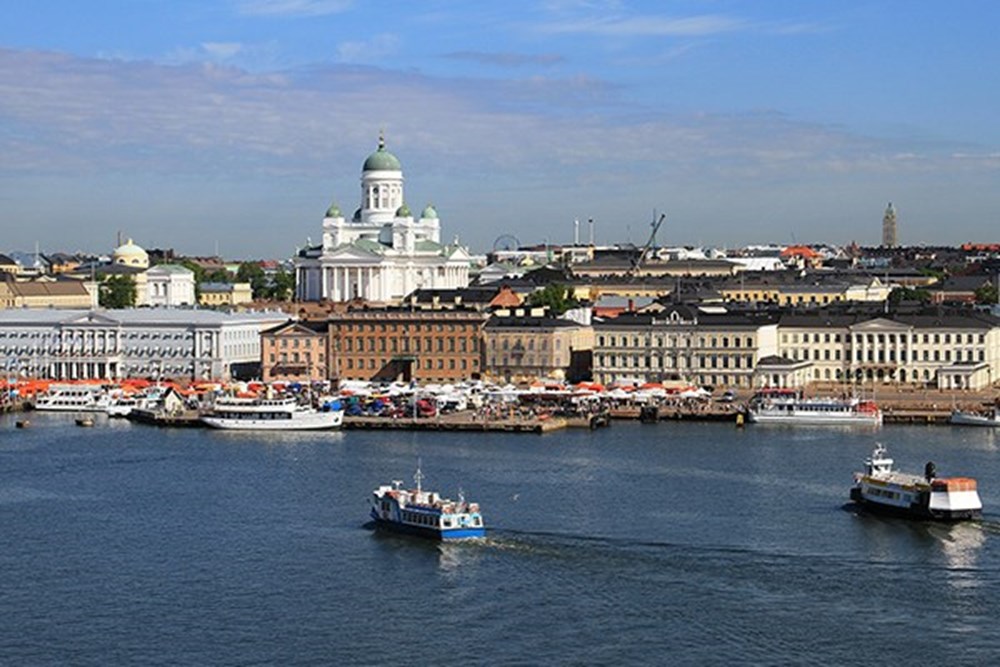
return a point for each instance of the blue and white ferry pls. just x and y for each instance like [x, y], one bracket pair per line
[425, 513]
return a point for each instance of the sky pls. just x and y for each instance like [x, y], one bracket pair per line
[230, 126]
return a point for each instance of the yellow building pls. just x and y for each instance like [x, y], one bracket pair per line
[221, 295]
[47, 293]
[522, 347]
[799, 294]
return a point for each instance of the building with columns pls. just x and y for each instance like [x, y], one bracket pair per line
[132, 343]
[382, 252]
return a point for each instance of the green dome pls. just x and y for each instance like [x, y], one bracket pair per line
[430, 213]
[333, 211]
[382, 160]
[403, 211]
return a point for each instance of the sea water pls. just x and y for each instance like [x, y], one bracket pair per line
[664, 544]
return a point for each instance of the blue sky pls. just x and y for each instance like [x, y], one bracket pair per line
[235, 123]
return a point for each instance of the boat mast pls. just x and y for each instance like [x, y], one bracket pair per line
[418, 477]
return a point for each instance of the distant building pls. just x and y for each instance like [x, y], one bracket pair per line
[130, 254]
[47, 292]
[520, 346]
[889, 235]
[433, 345]
[168, 285]
[215, 295]
[383, 252]
[294, 352]
[133, 343]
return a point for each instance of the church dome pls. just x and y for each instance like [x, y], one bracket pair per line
[382, 160]
[403, 211]
[130, 255]
[429, 213]
[357, 216]
[333, 211]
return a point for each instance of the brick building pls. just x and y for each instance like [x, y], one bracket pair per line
[407, 344]
[294, 352]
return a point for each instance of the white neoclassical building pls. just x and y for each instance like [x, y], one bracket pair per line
[132, 343]
[382, 253]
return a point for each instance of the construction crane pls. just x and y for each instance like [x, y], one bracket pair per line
[638, 259]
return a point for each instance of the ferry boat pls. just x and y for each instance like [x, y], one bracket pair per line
[962, 418]
[787, 406]
[73, 398]
[280, 414]
[880, 488]
[425, 513]
[121, 406]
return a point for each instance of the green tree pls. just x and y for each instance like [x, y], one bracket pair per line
[218, 276]
[117, 292]
[282, 285]
[251, 272]
[909, 294]
[555, 297]
[986, 294]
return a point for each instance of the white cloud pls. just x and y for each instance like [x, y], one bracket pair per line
[293, 7]
[661, 26]
[367, 51]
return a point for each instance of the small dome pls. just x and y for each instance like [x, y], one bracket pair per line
[130, 255]
[333, 211]
[382, 160]
[429, 213]
[403, 211]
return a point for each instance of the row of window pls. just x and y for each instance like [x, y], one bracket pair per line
[888, 356]
[642, 361]
[887, 339]
[410, 327]
[415, 344]
[673, 341]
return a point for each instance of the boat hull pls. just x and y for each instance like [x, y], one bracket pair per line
[914, 511]
[444, 535]
[319, 421]
[815, 420]
[959, 418]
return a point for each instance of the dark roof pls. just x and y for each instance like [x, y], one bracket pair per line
[521, 322]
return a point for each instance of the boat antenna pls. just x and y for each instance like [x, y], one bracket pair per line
[418, 476]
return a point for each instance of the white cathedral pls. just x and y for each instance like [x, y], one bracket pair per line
[382, 253]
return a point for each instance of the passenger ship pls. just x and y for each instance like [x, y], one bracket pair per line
[425, 513]
[74, 398]
[786, 406]
[282, 414]
[880, 488]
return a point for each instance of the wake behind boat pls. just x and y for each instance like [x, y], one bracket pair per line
[425, 513]
[882, 489]
[281, 414]
[788, 406]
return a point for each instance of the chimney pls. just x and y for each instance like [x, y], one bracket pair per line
[591, 223]
[576, 232]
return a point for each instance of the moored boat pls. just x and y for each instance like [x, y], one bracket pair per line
[282, 414]
[882, 489]
[964, 418]
[425, 513]
[786, 406]
[73, 398]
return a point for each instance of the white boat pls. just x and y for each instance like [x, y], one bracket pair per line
[74, 398]
[963, 418]
[882, 489]
[281, 414]
[790, 407]
[121, 406]
[425, 513]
